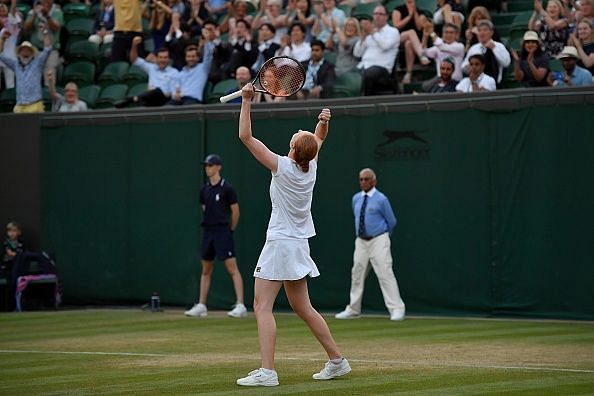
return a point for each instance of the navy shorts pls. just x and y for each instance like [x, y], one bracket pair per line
[217, 244]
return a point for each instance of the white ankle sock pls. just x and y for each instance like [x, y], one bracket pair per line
[268, 371]
[336, 361]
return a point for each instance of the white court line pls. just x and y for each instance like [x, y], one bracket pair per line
[364, 361]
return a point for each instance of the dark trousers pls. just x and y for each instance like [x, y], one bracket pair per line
[376, 81]
[122, 41]
[185, 100]
[153, 98]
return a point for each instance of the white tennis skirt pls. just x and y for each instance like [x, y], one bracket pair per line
[285, 259]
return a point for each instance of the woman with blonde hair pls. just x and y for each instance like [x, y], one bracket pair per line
[551, 26]
[477, 14]
[285, 259]
[347, 37]
[584, 43]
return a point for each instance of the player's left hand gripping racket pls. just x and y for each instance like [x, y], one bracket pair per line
[278, 76]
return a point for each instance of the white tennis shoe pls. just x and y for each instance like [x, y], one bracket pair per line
[333, 370]
[197, 311]
[239, 311]
[397, 315]
[348, 313]
[259, 378]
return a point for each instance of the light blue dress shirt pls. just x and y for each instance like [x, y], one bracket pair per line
[192, 80]
[580, 78]
[379, 216]
[28, 78]
[164, 79]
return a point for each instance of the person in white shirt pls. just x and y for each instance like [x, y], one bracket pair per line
[285, 260]
[496, 55]
[162, 78]
[477, 80]
[10, 22]
[377, 48]
[447, 47]
[295, 45]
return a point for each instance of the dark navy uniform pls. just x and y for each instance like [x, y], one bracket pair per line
[217, 237]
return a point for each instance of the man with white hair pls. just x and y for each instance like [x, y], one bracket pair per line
[28, 69]
[377, 48]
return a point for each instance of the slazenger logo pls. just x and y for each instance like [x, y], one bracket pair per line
[402, 146]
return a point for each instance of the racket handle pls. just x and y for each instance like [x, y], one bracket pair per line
[231, 96]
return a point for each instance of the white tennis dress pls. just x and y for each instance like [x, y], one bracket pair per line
[285, 255]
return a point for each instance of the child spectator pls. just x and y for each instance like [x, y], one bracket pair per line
[551, 25]
[532, 65]
[477, 80]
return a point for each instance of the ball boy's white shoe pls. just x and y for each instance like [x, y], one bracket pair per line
[259, 378]
[333, 370]
[197, 311]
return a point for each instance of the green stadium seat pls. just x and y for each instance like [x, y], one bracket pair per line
[330, 56]
[47, 98]
[137, 89]
[348, 85]
[89, 95]
[82, 51]
[110, 95]
[413, 87]
[345, 8]
[390, 5]
[135, 75]
[428, 6]
[555, 65]
[7, 100]
[220, 89]
[515, 39]
[364, 10]
[521, 20]
[503, 18]
[113, 74]
[82, 73]
[80, 27]
[517, 6]
[23, 8]
[73, 11]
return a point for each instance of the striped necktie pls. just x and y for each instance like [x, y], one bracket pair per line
[362, 217]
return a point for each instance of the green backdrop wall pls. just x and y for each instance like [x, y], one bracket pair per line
[495, 208]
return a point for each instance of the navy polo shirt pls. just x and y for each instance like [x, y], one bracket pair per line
[217, 201]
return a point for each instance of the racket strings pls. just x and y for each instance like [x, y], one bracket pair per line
[282, 76]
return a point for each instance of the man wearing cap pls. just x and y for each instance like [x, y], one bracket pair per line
[220, 217]
[28, 70]
[574, 75]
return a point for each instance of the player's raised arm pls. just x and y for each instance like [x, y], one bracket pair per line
[256, 147]
[321, 131]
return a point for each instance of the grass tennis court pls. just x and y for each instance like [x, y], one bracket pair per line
[127, 351]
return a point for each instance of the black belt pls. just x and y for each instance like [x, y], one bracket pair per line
[366, 238]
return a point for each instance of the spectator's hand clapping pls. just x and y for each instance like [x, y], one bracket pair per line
[538, 6]
[490, 44]
[515, 55]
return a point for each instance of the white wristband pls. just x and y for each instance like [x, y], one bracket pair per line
[323, 122]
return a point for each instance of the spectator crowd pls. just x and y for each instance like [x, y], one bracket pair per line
[186, 50]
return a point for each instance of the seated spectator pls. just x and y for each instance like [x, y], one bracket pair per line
[104, 23]
[242, 76]
[270, 13]
[445, 82]
[217, 8]
[67, 103]
[584, 43]
[238, 11]
[449, 11]
[162, 78]
[347, 37]
[28, 70]
[377, 48]
[478, 14]
[300, 11]
[477, 80]
[551, 25]
[446, 47]
[195, 16]
[496, 57]
[266, 46]
[295, 45]
[573, 76]
[584, 10]
[46, 16]
[319, 74]
[410, 21]
[192, 79]
[243, 51]
[10, 22]
[531, 67]
[328, 19]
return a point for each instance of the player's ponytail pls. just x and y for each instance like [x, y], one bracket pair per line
[306, 149]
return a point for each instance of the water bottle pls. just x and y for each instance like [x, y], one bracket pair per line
[155, 302]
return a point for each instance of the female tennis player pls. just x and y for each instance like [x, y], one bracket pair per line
[285, 259]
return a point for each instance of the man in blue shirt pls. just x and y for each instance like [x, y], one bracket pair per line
[192, 79]
[574, 75]
[374, 222]
[162, 78]
[28, 70]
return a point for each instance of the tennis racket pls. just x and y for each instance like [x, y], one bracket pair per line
[278, 76]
